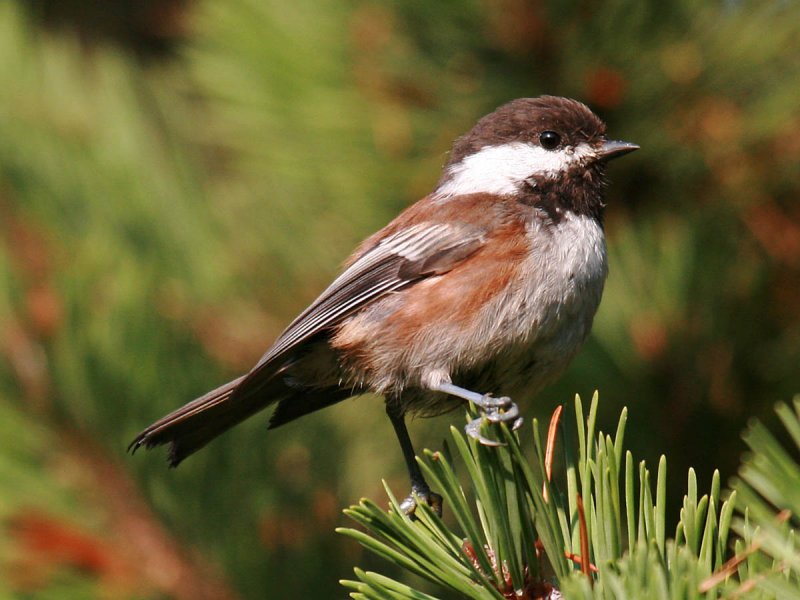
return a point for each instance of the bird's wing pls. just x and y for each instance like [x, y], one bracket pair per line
[415, 252]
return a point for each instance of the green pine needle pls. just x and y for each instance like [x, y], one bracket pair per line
[519, 535]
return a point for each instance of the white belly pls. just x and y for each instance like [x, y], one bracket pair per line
[540, 324]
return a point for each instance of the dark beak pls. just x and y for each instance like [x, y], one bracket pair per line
[614, 149]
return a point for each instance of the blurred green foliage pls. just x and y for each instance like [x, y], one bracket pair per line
[178, 180]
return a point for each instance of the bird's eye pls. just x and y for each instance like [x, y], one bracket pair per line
[549, 140]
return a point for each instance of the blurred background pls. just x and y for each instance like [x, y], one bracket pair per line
[179, 178]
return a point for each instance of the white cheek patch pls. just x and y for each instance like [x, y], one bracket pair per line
[503, 169]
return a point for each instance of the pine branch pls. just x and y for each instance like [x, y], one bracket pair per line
[768, 553]
[596, 530]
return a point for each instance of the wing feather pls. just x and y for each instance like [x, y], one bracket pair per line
[398, 260]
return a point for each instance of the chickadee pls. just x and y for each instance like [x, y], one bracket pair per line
[490, 283]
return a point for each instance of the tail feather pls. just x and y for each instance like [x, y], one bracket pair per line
[195, 424]
[192, 426]
[305, 401]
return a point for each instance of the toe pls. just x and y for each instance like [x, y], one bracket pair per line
[436, 502]
[507, 415]
[409, 505]
[488, 401]
[473, 430]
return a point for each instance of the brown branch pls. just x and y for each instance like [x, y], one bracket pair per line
[584, 533]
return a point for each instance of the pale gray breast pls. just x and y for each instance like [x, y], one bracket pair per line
[538, 325]
[549, 315]
[559, 290]
[569, 262]
[567, 269]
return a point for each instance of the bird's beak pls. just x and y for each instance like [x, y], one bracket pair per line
[614, 148]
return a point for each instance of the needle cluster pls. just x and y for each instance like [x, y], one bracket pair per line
[580, 518]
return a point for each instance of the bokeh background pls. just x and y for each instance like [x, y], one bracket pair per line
[179, 178]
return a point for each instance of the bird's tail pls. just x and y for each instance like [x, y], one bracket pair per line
[195, 424]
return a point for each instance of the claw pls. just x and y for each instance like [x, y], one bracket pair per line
[502, 416]
[473, 430]
[500, 410]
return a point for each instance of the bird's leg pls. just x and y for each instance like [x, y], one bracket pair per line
[495, 410]
[419, 487]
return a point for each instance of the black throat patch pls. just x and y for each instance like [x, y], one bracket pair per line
[579, 190]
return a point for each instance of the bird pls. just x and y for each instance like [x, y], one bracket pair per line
[485, 288]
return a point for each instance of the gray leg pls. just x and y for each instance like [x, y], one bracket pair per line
[419, 487]
[495, 410]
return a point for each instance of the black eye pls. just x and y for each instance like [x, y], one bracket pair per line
[549, 140]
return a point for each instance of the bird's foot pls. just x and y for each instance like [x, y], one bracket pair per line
[495, 410]
[409, 505]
